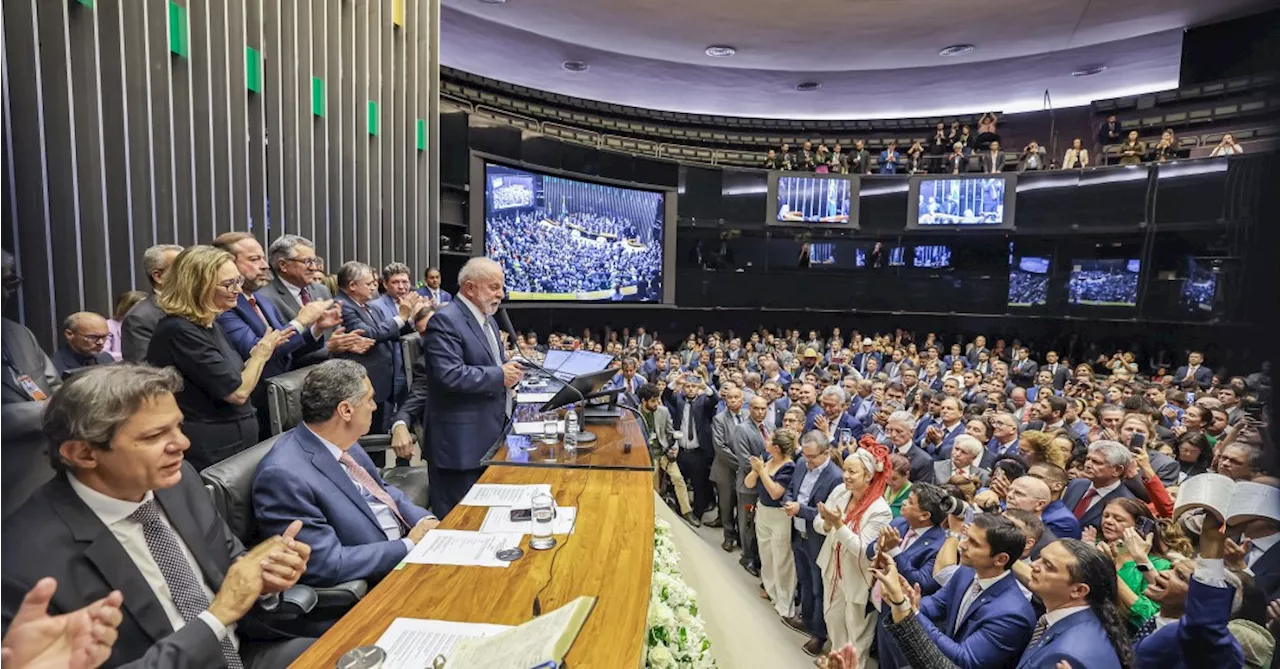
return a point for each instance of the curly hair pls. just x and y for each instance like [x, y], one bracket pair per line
[1038, 446]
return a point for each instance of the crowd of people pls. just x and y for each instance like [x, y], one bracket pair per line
[938, 505]
[1103, 285]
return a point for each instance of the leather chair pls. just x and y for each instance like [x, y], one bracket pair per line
[411, 347]
[284, 408]
[230, 484]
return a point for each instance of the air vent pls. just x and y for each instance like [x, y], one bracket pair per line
[956, 50]
[575, 66]
[808, 86]
[720, 51]
[1089, 71]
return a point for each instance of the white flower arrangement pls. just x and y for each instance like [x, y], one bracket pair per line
[676, 637]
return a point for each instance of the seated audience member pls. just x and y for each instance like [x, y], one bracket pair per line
[770, 162]
[85, 334]
[916, 159]
[1076, 157]
[1104, 471]
[1132, 538]
[124, 303]
[889, 159]
[1226, 147]
[1055, 515]
[1166, 149]
[125, 513]
[357, 525]
[219, 418]
[770, 477]
[810, 486]
[899, 486]
[140, 321]
[1132, 151]
[1032, 158]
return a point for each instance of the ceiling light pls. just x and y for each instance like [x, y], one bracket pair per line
[808, 86]
[493, 2]
[957, 50]
[720, 51]
[1089, 71]
[574, 66]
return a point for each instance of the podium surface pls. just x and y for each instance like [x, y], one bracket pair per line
[608, 451]
[609, 556]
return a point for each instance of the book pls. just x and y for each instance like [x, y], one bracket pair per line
[1230, 501]
[541, 642]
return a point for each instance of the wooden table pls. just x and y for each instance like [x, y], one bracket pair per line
[609, 556]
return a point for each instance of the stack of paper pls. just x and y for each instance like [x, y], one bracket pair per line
[501, 494]
[536, 427]
[411, 643]
[541, 642]
[462, 548]
[498, 521]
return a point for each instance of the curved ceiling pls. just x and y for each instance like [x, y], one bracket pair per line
[874, 58]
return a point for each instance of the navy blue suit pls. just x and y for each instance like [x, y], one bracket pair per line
[922, 425]
[948, 439]
[994, 453]
[921, 465]
[445, 297]
[1076, 489]
[947, 360]
[1059, 519]
[1199, 639]
[695, 461]
[1203, 376]
[859, 361]
[846, 422]
[389, 310]
[467, 404]
[299, 479]
[1079, 639]
[995, 629]
[380, 360]
[808, 544]
[1266, 573]
[244, 329]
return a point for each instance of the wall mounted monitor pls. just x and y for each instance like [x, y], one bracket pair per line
[828, 200]
[933, 256]
[567, 239]
[961, 202]
[822, 253]
[1104, 283]
[897, 256]
[1200, 287]
[860, 257]
[1028, 281]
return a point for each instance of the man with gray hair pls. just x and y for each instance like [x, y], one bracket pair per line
[358, 525]
[127, 513]
[140, 322]
[470, 379]
[963, 464]
[292, 259]
[357, 289]
[1104, 472]
[833, 419]
[900, 428]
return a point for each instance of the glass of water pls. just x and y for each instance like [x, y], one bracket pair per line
[544, 517]
[550, 429]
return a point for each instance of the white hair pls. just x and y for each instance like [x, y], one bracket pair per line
[837, 391]
[1114, 452]
[478, 269]
[968, 443]
[904, 418]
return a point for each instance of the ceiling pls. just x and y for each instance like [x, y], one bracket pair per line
[874, 58]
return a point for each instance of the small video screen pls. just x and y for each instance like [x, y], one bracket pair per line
[897, 256]
[860, 258]
[961, 201]
[822, 253]
[1029, 282]
[814, 200]
[934, 257]
[1200, 288]
[1104, 283]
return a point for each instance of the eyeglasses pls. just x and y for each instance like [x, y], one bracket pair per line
[309, 262]
[232, 284]
[97, 339]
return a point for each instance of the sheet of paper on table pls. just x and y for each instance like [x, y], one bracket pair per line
[462, 548]
[498, 521]
[534, 398]
[535, 427]
[413, 643]
[500, 494]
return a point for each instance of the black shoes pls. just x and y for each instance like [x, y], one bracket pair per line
[691, 519]
[715, 523]
[728, 544]
[752, 569]
[813, 647]
[795, 623]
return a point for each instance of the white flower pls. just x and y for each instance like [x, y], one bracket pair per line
[660, 658]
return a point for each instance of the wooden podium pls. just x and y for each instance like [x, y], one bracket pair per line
[609, 556]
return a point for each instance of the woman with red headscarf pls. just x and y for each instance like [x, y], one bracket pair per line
[852, 518]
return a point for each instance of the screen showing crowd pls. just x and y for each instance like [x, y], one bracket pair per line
[1104, 283]
[814, 200]
[1029, 282]
[961, 201]
[563, 239]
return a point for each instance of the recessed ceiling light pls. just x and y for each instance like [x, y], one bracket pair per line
[1089, 71]
[493, 2]
[720, 51]
[574, 66]
[957, 50]
[808, 86]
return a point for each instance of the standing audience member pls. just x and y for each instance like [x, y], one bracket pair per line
[140, 322]
[1226, 147]
[219, 418]
[1131, 537]
[84, 336]
[663, 448]
[1104, 474]
[1109, 132]
[1033, 158]
[432, 291]
[358, 286]
[859, 163]
[124, 303]
[297, 272]
[770, 477]
[889, 159]
[724, 466]
[397, 285]
[809, 487]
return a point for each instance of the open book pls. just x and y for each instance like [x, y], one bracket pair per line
[543, 641]
[1231, 502]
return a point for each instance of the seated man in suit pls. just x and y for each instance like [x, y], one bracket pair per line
[433, 293]
[358, 526]
[1104, 472]
[140, 322]
[1055, 515]
[810, 485]
[980, 619]
[358, 287]
[962, 465]
[899, 429]
[126, 513]
[84, 333]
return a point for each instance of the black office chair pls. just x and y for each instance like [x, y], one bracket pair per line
[411, 348]
[284, 404]
[230, 484]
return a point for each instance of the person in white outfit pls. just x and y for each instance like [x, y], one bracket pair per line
[770, 477]
[852, 519]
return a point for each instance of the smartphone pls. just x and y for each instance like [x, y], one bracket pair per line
[1145, 526]
[521, 515]
[1137, 441]
[692, 378]
[846, 436]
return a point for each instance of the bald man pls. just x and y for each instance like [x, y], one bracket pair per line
[1031, 494]
[84, 334]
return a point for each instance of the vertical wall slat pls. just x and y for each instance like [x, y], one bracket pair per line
[94, 256]
[400, 150]
[122, 228]
[363, 184]
[237, 110]
[303, 128]
[221, 93]
[204, 179]
[256, 109]
[182, 141]
[286, 95]
[320, 180]
[388, 143]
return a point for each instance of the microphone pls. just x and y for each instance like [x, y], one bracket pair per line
[504, 322]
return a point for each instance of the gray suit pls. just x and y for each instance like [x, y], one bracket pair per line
[664, 434]
[284, 301]
[725, 466]
[26, 454]
[944, 469]
[136, 329]
[747, 442]
[1166, 468]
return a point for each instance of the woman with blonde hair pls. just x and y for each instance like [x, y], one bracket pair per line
[769, 477]
[852, 519]
[217, 416]
[1039, 447]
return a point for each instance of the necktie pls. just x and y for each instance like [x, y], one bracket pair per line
[1041, 626]
[493, 343]
[304, 295]
[1191, 372]
[688, 424]
[965, 604]
[371, 486]
[253, 302]
[1083, 505]
[909, 539]
[764, 433]
[184, 585]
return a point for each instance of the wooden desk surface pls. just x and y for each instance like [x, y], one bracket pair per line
[608, 451]
[609, 555]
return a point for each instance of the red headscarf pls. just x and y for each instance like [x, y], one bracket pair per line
[874, 491]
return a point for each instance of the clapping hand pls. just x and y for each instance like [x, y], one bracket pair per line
[889, 540]
[829, 516]
[342, 341]
[820, 423]
[791, 508]
[1137, 545]
[81, 639]
[843, 658]
[270, 341]
[282, 568]
[757, 465]
[409, 305]
[1089, 535]
[933, 435]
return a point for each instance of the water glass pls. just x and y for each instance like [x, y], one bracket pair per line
[550, 431]
[544, 517]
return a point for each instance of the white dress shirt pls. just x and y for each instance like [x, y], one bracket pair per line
[1054, 617]
[1259, 547]
[386, 517]
[967, 601]
[114, 513]
[1102, 492]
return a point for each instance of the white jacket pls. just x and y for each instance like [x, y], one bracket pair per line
[855, 567]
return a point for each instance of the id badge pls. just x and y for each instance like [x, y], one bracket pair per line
[31, 388]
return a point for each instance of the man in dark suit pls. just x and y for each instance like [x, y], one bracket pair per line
[127, 513]
[1195, 371]
[470, 378]
[1023, 370]
[294, 262]
[140, 322]
[1109, 132]
[992, 159]
[899, 429]
[84, 334]
[412, 412]
[1004, 439]
[810, 485]
[724, 465]
[912, 541]
[867, 352]
[692, 405]
[749, 442]
[1074, 580]
[432, 291]
[357, 525]
[1060, 371]
[1104, 472]
[1055, 515]
[358, 286]
[395, 281]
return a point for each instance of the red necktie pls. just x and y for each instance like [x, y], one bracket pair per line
[367, 482]
[764, 433]
[253, 302]
[1083, 505]
[305, 296]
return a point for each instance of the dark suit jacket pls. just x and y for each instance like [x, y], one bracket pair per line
[703, 410]
[29, 358]
[67, 361]
[747, 442]
[1079, 639]
[1059, 519]
[995, 629]
[922, 470]
[1023, 372]
[445, 296]
[299, 479]
[1203, 376]
[990, 164]
[389, 310]
[468, 405]
[244, 330]
[916, 564]
[1199, 639]
[88, 563]
[413, 410]
[1076, 489]
[828, 479]
[136, 329]
[380, 359]
[1266, 573]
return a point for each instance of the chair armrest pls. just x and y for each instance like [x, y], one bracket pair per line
[374, 443]
[297, 601]
[342, 595]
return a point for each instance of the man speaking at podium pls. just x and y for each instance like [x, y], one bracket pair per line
[469, 378]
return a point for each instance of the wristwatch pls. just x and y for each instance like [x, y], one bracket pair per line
[1145, 567]
[953, 535]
